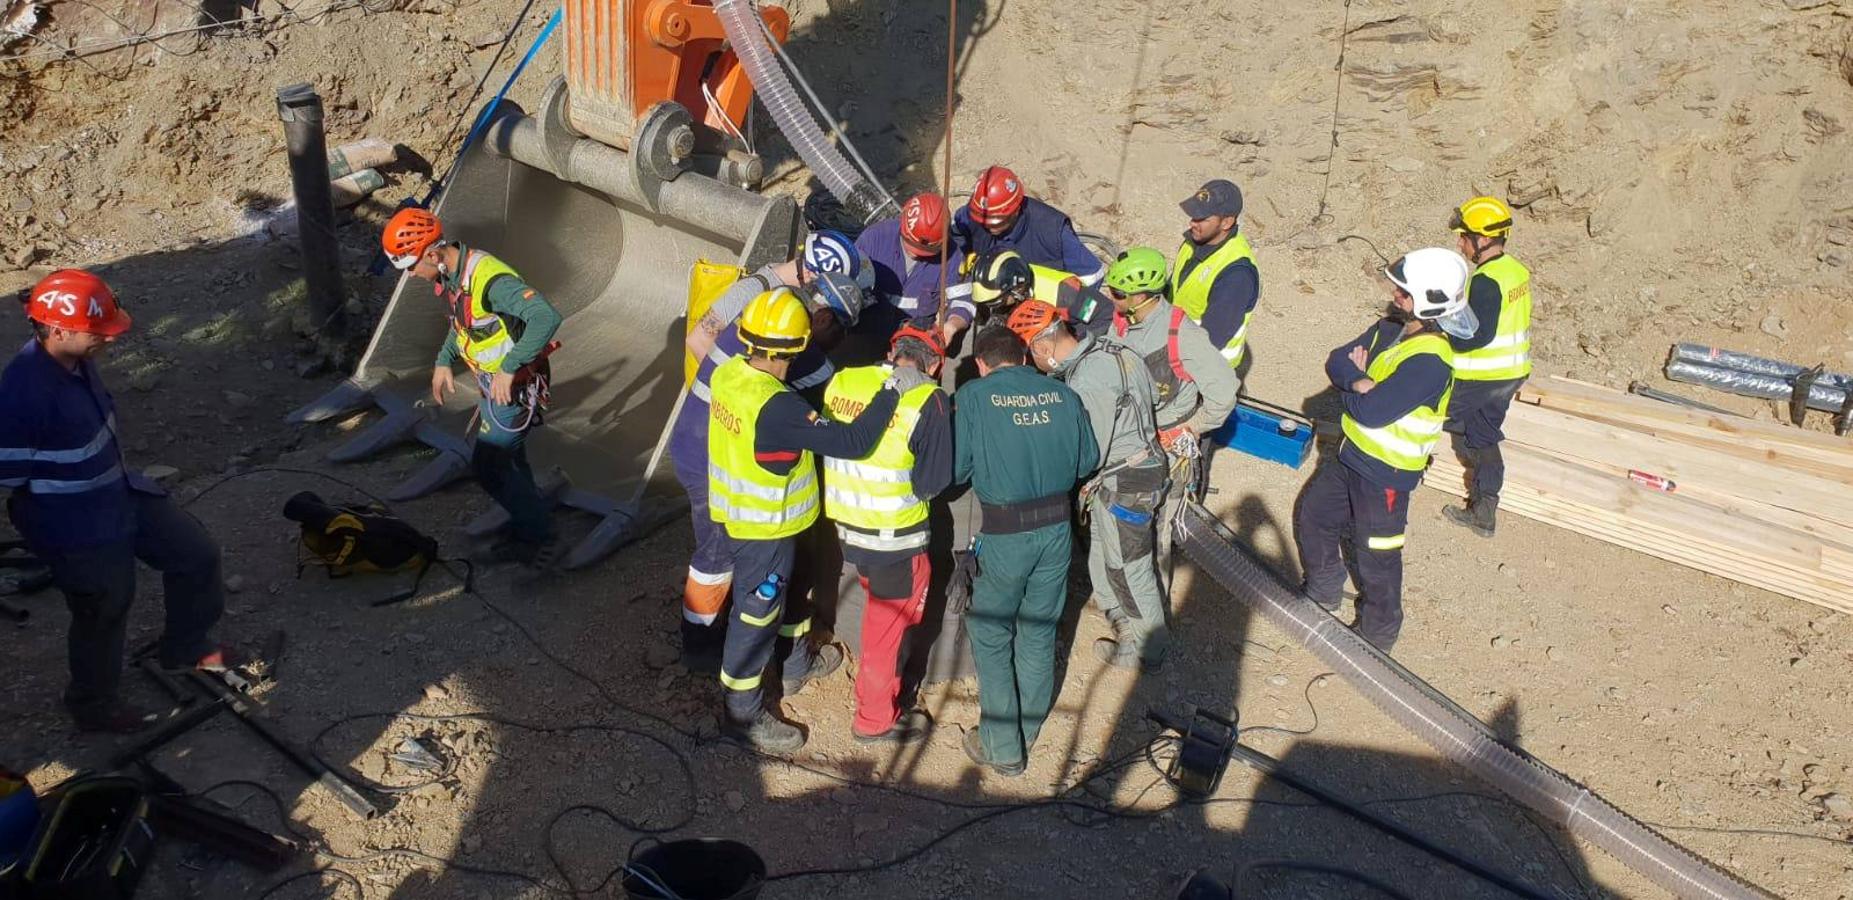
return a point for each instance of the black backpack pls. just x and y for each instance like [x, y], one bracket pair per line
[361, 538]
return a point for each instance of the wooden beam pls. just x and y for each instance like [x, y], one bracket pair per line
[1764, 441]
[1612, 445]
[1667, 526]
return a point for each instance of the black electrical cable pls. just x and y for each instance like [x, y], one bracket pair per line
[342, 877]
[1292, 865]
[1307, 695]
[991, 810]
[463, 113]
[260, 470]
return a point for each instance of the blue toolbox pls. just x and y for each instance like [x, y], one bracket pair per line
[1270, 432]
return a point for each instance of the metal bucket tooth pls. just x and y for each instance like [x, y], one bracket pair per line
[435, 475]
[342, 400]
[552, 487]
[444, 440]
[620, 526]
[397, 426]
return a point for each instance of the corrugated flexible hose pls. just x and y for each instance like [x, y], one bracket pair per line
[748, 40]
[1452, 731]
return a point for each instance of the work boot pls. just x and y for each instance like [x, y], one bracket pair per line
[767, 733]
[913, 725]
[113, 718]
[974, 748]
[701, 647]
[824, 660]
[1124, 654]
[1479, 515]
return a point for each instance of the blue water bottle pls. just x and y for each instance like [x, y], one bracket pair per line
[768, 590]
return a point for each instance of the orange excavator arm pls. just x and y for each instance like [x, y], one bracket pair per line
[624, 56]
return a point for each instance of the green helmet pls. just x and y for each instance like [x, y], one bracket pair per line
[1140, 270]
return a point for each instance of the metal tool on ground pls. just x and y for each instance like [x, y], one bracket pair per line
[209, 825]
[167, 683]
[1207, 741]
[255, 715]
[1641, 389]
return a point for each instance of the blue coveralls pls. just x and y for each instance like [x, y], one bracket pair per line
[83, 513]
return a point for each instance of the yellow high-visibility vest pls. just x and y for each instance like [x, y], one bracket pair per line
[754, 503]
[875, 493]
[1509, 355]
[1408, 442]
[482, 336]
[1192, 294]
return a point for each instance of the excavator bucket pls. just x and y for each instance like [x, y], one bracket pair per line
[611, 246]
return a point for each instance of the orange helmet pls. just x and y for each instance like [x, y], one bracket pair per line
[1033, 317]
[75, 300]
[923, 332]
[409, 233]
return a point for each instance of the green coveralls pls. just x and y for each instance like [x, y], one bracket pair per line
[1018, 437]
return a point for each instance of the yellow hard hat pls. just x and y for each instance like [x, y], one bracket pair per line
[775, 323]
[998, 273]
[1485, 216]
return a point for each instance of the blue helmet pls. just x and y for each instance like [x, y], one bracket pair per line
[841, 295]
[832, 251]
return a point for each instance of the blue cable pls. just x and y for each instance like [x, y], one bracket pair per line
[378, 266]
[482, 119]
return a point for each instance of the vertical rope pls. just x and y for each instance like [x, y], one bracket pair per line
[1338, 88]
[945, 175]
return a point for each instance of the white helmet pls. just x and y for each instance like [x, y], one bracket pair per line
[1435, 277]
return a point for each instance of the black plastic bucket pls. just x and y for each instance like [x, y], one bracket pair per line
[698, 869]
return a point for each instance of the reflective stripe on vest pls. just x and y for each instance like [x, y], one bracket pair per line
[1192, 294]
[482, 336]
[874, 493]
[754, 504]
[1407, 442]
[1509, 355]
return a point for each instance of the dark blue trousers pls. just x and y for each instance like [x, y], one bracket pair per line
[1338, 502]
[1477, 413]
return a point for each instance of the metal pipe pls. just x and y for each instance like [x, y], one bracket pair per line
[1719, 358]
[300, 108]
[691, 198]
[258, 719]
[1822, 395]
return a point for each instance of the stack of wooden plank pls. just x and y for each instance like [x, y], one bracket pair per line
[1756, 502]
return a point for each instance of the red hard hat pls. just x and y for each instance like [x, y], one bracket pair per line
[923, 332]
[408, 234]
[997, 195]
[75, 300]
[923, 223]
[1033, 317]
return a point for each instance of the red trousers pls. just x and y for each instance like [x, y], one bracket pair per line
[896, 597]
